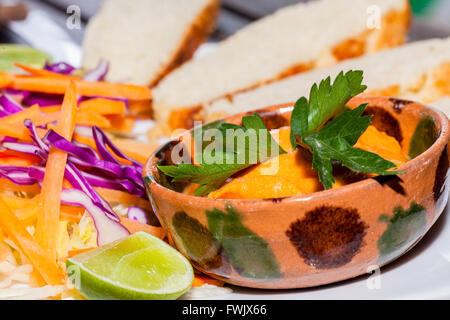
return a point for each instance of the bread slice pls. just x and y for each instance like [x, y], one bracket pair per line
[145, 39]
[417, 71]
[295, 39]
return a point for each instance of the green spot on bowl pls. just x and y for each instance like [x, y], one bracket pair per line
[423, 138]
[199, 244]
[249, 254]
[404, 229]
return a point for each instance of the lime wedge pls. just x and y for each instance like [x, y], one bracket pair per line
[139, 267]
[11, 53]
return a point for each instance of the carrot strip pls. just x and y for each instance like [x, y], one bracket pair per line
[51, 109]
[47, 118]
[135, 226]
[48, 219]
[103, 106]
[19, 132]
[7, 185]
[90, 118]
[200, 280]
[69, 213]
[73, 253]
[42, 72]
[85, 88]
[124, 198]
[140, 107]
[27, 160]
[31, 113]
[6, 79]
[137, 150]
[122, 123]
[4, 252]
[25, 209]
[36, 280]
[29, 247]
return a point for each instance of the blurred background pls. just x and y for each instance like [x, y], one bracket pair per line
[45, 24]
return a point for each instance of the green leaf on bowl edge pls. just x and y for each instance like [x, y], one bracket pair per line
[199, 244]
[424, 136]
[404, 229]
[249, 254]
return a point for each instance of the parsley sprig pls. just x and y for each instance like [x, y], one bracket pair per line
[336, 139]
[211, 176]
[323, 124]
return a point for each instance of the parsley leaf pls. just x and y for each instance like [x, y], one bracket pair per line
[325, 101]
[335, 141]
[241, 155]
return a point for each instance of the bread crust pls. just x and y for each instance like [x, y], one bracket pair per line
[194, 36]
[426, 88]
[395, 25]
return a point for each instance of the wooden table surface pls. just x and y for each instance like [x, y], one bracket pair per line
[235, 14]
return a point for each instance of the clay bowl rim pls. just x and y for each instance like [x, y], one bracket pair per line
[443, 139]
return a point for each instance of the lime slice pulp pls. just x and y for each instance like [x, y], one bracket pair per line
[139, 267]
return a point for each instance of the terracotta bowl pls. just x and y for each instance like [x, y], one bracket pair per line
[320, 238]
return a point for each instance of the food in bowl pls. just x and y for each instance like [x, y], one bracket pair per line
[306, 238]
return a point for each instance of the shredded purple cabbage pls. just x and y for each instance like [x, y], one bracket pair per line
[98, 73]
[86, 169]
[137, 214]
[60, 67]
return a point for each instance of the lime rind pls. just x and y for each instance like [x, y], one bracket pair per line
[96, 286]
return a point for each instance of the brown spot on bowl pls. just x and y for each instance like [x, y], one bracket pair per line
[398, 104]
[385, 122]
[272, 120]
[328, 237]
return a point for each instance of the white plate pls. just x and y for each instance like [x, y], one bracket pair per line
[422, 273]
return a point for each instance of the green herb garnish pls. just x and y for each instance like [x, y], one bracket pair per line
[336, 139]
[228, 161]
[323, 125]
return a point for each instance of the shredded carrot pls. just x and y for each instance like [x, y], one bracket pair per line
[36, 280]
[85, 88]
[103, 106]
[73, 253]
[48, 218]
[29, 247]
[42, 72]
[31, 113]
[13, 160]
[25, 209]
[69, 213]
[135, 226]
[140, 107]
[200, 280]
[90, 118]
[7, 185]
[121, 123]
[19, 132]
[85, 140]
[4, 252]
[124, 198]
[137, 150]
[51, 109]
[6, 79]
